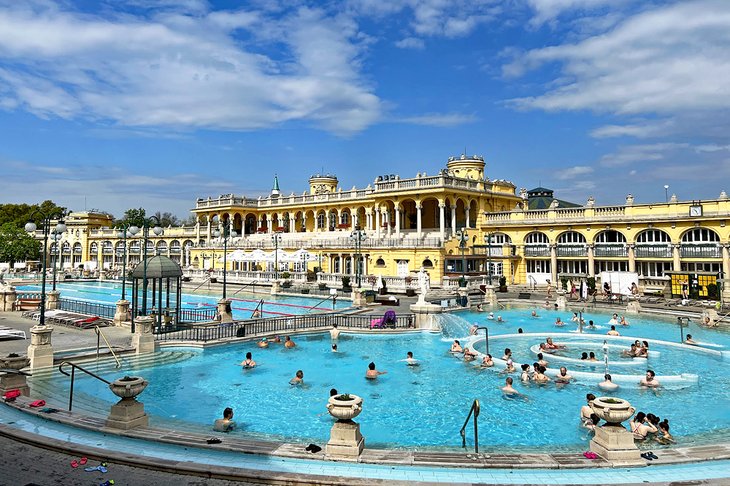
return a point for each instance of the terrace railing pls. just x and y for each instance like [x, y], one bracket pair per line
[88, 308]
[252, 327]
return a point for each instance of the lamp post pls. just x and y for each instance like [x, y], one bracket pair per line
[227, 232]
[56, 237]
[358, 236]
[157, 230]
[30, 227]
[276, 238]
[488, 239]
[463, 237]
[666, 192]
[126, 230]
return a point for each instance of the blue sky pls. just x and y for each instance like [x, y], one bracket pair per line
[119, 104]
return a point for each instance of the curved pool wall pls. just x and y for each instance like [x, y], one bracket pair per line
[224, 463]
[243, 304]
[438, 392]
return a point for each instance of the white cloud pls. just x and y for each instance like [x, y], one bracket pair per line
[548, 10]
[410, 43]
[711, 148]
[185, 71]
[638, 130]
[440, 119]
[640, 154]
[662, 61]
[573, 172]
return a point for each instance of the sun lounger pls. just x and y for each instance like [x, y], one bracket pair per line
[10, 333]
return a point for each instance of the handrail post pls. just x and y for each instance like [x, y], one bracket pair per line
[71, 393]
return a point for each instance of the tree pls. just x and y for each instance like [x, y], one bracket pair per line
[16, 245]
[19, 214]
[167, 219]
[133, 217]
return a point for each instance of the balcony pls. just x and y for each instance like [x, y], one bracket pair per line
[577, 250]
[603, 250]
[653, 251]
[700, 250]
[537, 250]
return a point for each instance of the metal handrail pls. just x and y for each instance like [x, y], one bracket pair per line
[486, 333]
[315, 306]
[252, 284]
[259, 308]
[73, 378]
[98, 334]
[473, 410]
[205, 281]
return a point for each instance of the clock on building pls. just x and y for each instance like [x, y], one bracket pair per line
[695, 210]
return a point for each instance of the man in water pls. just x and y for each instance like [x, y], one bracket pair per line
[334, 347]
[225, 424]
[372, 373]
[456, 347]
[410, 360]
[473, 329]
[507, 388]
[334, 332]
[298, 378]
[586, 410]
[563, 377]
[613, 332]
[649, 380]
[689, 340]
[288, 343]
[607, 384]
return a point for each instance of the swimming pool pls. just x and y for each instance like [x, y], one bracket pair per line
[243, 304]
[424, 406]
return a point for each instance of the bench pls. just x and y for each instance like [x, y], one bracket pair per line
[27, 304]
[389, 300]
[524, 295]
[657, 290]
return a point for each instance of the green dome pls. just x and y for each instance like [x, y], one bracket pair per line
[158, 267]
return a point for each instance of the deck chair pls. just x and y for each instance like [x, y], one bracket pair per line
[10, 333]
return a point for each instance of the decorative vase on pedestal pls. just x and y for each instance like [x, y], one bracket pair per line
[128, 413]
[346, 442]
[612, 441]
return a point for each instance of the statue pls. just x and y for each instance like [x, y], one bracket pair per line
[423, 285]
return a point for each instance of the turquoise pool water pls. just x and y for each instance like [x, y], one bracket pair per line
[424, 406]
[243, 304]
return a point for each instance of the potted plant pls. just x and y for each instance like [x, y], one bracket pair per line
[14, 362]
[344, 406]
[503, 283]
[346, 284]
[591, 282]
[311, 276]
[564, 283]
[286, 283]
[128, 387]
[612, 410]
[462, 281]
[322, 286]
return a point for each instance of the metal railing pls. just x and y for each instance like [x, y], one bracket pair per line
[99, 336]
[474, 410]
[700, 250]
[73, 378]
[225, 330]
[197, 315]
[88, 308]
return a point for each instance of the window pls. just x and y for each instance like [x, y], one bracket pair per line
[380, 262]
[700, 235]
[538, 266]
[611, 267]
[536, 238]
[570, 237]
[579, 267]
[653, 269]
[321, 221]
[427, 263]
[714, 267]
[653, 236]
[610, 236]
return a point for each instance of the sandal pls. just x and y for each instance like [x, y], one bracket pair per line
[74, 464]
[83, 461]
[214, 440]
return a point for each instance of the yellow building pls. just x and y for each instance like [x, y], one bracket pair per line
[456, 221]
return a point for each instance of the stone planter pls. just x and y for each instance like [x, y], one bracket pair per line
[14, 363]
[344, 409]
[128, 387]
[612, 410]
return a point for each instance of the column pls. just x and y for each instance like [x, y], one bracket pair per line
[418, 219]
[269, 223]
[304, 221]
[466, 215]
[292, 224]
[197, 231]
[632, 258]
[453, 220]
[725, 295]
[591, 262]
[442, 223]
[386, 217]
[207, 234]
[397, 221]
[377, 223]
[677, 263]
[554, 264]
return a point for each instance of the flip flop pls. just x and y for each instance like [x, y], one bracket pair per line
[652, 455]
[107, 483]
[99, 468]
[37, 403]
[83, 461]
[214, 440]
[646, 456]
[74, 464]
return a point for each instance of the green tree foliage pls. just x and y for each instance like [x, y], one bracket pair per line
[133, 217]
[19, 214]
[167, 219]
[16, 245]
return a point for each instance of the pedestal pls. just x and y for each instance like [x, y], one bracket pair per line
[490, 297]
[633, 307]
[616, 445]
[224, 310]
[121, 315]
[14, 381]
[127, 414]
[52, 299]
[275, 287]
[424, 315]
[40, 350]
[560, 301]
[346, 441]
[8, 296]
[358, 298]
[143, 340]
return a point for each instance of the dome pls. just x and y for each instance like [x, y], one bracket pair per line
[158, 267]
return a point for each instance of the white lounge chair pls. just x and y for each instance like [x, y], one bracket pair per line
[10, 333]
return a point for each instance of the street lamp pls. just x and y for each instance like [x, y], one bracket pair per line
[463, 237]
[227, 232]
[488, 238]
[127, 230]
[276, 238]
[56, 237]
[358, 236]
[666, 192]
[30, 227]
[157, 230]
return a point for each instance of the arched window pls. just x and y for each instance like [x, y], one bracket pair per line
[536, 237]
[94, 248]
[321, 221]
[571, 237]
[119, 247]
[610, 236]
[700, 235]
[653, 236]
[107, 247]
[380, 262]
[425, 263]
[161, 247]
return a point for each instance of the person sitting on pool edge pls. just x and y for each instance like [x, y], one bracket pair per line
[288, 343]
[225, 424]
[607, 384]
[298, 378]
[372, 373]
[248, 362]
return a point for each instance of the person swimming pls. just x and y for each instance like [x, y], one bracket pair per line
[288, 343]
[490, 316]
[607, 384]
[559, 322]
[410, 360]
[584, 356]
[592, 356]
[372, 373]
[334, 347]
[499, 319]
[264, 343]
[298, 378]
[534, 314]
[248, 362]
[689, 340]
[507, 388]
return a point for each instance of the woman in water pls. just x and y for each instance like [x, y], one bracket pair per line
[456, 347]
[248, 362]
[487, 361]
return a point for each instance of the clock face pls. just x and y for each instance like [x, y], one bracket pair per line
[695, 210]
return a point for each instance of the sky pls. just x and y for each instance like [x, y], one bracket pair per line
[115, 104]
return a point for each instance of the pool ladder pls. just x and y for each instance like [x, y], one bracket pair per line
[74, 367]
[474, 410]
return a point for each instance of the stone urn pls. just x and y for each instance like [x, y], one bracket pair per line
[612, 410]
[128, 387]
[14, 362]
[344, 407]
